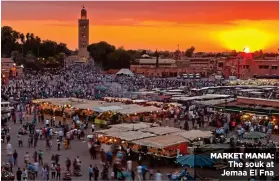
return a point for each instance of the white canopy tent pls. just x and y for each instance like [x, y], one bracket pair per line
[125, 72]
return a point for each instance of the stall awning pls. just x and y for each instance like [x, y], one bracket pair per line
[193, 134]
[161, 141]
[131, 127]
[161, 130]
[125, 135]
[107, 108]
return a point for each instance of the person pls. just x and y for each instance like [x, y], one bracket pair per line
[93, 128]
[158, 176]
[129, 165]
[58, 172]
[68, 164]
[96, 172]
[52, 168]
[41, 157]
[18, 174]
[15, 157]
[133, 175]
[139, 171]
[60, 133]
[36, 168]
[44, 173]
[25, 174]
[112, 175]
[90, 172]
[58, 144]
[20, 141]
[9, 149]
[151, 173]
[26, 158]
[47, 123]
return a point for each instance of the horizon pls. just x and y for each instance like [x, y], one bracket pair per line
[208, 26]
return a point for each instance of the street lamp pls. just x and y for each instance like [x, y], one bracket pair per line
[22, 66]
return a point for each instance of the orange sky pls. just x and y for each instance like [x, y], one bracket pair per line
[209, 26]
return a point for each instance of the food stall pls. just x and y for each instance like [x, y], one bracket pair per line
[129, 113]
[195, 138]
[162, 146]
[118, 137]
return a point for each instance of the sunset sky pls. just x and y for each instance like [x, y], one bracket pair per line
[209, 26]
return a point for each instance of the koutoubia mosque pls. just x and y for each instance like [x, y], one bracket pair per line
[83, 36]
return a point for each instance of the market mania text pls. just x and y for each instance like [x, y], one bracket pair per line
[241, 156]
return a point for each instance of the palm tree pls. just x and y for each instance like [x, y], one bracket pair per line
[38, 44]
[61, 58]
[51, 60]
[15, 55]
[30, 57]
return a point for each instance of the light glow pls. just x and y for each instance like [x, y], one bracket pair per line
[247, 50]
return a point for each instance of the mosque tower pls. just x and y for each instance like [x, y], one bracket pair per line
[83, 36]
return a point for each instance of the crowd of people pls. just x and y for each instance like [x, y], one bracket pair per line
[84, 81]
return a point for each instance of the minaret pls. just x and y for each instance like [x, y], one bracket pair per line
[157, 59]
[83, 36]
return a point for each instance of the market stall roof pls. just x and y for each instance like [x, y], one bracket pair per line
[193, 134]
[78, 103]
[175, 104]
[161, 141]
[161, 130]
[175, 90]
[155, 102]
[130, 127]
[107, 108]
[125, 135]
[139, 101]
[206, 96]
[248, 90]
[125, 72]
[257, 92]
[107, 131]
[125, 99]
[145, 92]
[108, 97]
[130, 135]
[215, 102]
[138, 109]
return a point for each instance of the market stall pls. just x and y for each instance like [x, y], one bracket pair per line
[129, 113]
[132, 127]
[194, 134]
[117, 137]
[161, 130]
[163, 146]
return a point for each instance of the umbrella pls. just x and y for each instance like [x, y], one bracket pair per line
[195, 160]
[254, 135]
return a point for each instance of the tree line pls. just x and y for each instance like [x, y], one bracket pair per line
[29, 50]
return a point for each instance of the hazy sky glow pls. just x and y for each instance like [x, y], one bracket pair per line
[209, 26]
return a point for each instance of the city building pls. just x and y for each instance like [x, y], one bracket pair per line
[244, 66]
[83, 36]
[9, 69]
[202, 65]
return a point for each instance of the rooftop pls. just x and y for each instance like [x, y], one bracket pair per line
[153, 61]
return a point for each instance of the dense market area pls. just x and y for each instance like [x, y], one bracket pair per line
[79, 124]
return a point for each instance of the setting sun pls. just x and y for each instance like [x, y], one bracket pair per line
[251, 39]
[247, 50]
